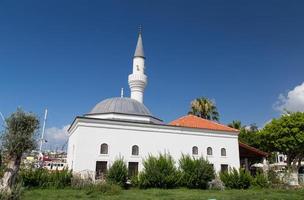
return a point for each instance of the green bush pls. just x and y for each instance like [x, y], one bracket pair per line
[260, 181]
[134, 181]
[159, 172]
[43, 178]
[195, 173]
[236, 179]
[118, 173]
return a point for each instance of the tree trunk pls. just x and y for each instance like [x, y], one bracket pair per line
[293, 178]
[9, 178]
[292, 175]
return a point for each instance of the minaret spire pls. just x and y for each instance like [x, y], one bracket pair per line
[138, 79]
[139, 51]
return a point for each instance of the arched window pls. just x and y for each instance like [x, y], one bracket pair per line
[223, 152]
[209, 151]
[135, 150]
[104, 148]
[194, 150]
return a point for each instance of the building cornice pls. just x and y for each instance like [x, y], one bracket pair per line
[130, 125]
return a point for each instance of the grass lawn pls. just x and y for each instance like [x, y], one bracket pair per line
[174, 194]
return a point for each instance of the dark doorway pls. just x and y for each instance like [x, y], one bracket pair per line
[133, 169]
[224, 168]
[101, 169]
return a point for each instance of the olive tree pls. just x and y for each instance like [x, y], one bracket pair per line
[17, 138]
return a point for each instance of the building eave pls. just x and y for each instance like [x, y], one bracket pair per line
[163, 126]
[253, 149]
[90, 114]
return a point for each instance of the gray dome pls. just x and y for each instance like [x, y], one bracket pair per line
[121, 105]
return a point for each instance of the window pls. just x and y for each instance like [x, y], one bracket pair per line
[223, 152]
[209, 151]
[224, 168]
[135, 150]
[104, 149]
[194, 150]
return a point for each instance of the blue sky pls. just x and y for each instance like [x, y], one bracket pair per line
[69, 55]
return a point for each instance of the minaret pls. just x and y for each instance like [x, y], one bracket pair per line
[138, 79]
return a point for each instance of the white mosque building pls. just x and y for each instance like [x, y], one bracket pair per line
[124, 127]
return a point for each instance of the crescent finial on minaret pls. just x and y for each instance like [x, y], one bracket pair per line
[139, 29]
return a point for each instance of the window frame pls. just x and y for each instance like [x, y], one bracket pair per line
[209, 148]
[195, 151]
[223, 150]
[107, 149]
[136, 148]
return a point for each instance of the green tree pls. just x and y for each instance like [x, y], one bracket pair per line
[286, 135]
[18, 138]
[235, 124]
[204, 108]
[251, 136]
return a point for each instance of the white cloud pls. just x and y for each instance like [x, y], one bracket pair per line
[293, 101]
[56, 137]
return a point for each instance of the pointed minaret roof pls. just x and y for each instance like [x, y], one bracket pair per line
[139, 51]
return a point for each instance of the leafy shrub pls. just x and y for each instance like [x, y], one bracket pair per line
[230, 178]
[260, 181]
[195, 173]
[43, 178]
[235, 179]
[118, 173]
[159, 172]
[245, 179]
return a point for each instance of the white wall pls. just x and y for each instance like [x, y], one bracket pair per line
[88, 134]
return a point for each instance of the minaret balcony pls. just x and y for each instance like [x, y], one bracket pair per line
[138, 77]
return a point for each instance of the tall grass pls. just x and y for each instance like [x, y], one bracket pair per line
[43, 178]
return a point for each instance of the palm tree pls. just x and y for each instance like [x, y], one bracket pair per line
[235, 124]
[204, 108]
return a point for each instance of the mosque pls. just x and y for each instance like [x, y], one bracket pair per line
[125, 128]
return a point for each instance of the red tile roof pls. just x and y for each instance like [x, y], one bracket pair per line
[192, 121]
